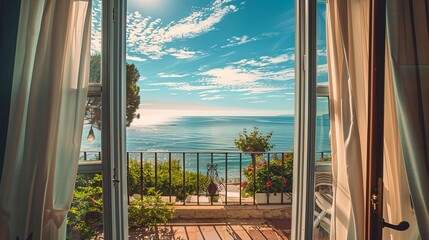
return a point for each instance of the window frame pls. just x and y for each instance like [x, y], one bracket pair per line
[305, 119]
[113, 147]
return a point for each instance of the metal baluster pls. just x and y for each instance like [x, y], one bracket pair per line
[156, 171]
[226, 179]
[283, 176]
[141, 176]
[198, 178]
[128, 177]
[254, 180]
[240, 177]
[169, 176]
[184, 181]
[268, 179]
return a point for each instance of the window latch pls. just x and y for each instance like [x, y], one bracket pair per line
[115, 177]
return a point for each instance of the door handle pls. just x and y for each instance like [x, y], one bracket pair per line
[402, 226]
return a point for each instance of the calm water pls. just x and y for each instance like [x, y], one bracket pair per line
[210, 134]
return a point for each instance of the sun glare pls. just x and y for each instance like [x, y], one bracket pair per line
[149, 5]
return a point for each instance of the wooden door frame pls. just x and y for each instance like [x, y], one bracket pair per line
[374, 187]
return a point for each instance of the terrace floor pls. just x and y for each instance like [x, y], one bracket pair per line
[208, 229]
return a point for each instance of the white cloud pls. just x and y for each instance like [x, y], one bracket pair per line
[266, 60]
[257, 90]
[188, 87]
[149, 36]
[183, 86]
[240, 76]
[231, 76]
[211, 91]
[172, 75]
[181, 53]
[216, 97]
[236, 41]
[168, 84]
[135, 58]
[149, 89]
[322, 52]
[322, 68]
[258, 102]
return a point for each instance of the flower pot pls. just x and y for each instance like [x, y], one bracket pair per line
[273, 198]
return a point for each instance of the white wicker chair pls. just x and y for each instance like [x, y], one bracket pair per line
[323, 200]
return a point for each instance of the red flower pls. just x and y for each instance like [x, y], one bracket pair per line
[261, 163]
[269, 183]
[285, 181]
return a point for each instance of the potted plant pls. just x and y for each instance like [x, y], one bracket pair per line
[267, 180]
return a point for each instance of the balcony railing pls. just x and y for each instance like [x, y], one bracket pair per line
[184, 177]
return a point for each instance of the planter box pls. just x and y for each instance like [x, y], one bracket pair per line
[274, 198]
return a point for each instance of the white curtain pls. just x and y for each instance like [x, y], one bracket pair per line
[347, 43]
[46, 118]
[408, 38]
[348, 36]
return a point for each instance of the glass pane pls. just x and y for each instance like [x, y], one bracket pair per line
[323, 174]
[85, 221]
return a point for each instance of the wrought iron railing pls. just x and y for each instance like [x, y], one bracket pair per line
[183, 177]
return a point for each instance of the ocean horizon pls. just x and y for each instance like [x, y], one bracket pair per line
[209, 134]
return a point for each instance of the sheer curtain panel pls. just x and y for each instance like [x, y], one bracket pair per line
[46, 118]
[408, 38]
[347, 43]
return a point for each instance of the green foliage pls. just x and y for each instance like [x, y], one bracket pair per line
[254, 142]
[273, 179]
[133, 91]
[150, 211]
[93, 110]
[163, 179]
[85, 212]
[325, 159]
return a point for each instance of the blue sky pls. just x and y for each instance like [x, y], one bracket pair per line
[215, 57]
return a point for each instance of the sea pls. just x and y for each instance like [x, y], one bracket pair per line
[206, 134]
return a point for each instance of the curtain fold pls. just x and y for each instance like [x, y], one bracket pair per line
[46, 118]
[347, 43]
[397, 204]
[408, 38]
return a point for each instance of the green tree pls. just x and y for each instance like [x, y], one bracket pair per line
[254, 142]
[133, 90]
[93, 110]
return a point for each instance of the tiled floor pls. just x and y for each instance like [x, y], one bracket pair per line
[209, 230]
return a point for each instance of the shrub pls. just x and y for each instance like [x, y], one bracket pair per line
[254, 142]
[150, 211]
[163, 179]
[273, 179]
[85, 211]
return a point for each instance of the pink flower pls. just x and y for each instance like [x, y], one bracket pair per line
[261, 163]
